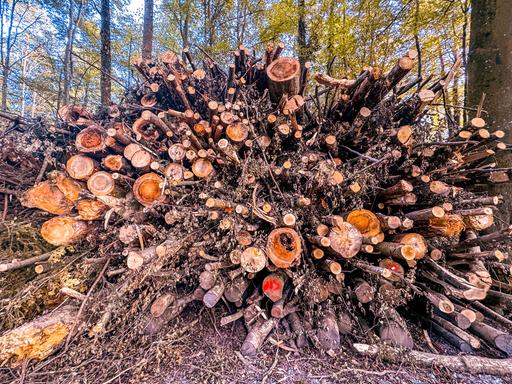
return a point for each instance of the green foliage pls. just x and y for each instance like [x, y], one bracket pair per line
[342, 36]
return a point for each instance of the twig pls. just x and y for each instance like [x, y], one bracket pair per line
[84, 302]
[99, 69]
[17, 264]
[45, 164]
[272, 367]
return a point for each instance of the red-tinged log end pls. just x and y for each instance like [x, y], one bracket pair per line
[272, 287]
[394, 267]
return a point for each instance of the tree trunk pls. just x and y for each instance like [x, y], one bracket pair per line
[489, 68]
[147, 31]
[6, 62]
[301, 35]
[68, 62]
[106, 56]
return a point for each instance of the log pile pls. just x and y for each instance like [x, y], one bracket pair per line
[295, 201]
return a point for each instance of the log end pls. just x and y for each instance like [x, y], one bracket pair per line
[147, 189]
[284, 247]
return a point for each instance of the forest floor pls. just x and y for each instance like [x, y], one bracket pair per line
[209, 354]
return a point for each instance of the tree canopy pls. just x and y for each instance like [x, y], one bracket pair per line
[340, 36]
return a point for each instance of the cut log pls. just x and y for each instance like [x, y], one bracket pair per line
[495, 337]
[237, 132]
[39, 338]
[75, 114]
[393, 330]
[81, 167]
[147, 189]
[453, 339]
[365, 221]
[460, 363]
[284, 247]
[327, 332]
[345, 240]
[471, 340]
[479, 222]
[425, 214]
[396, 250]
[161, 303]
[202, 168]
[396, 270]
[236, 290]
[213, 295]
[141, 160]
[283, 78]
[448, 225]
[90, 209]
[298, 330]
[415, 240]
[91, 140]
[364, 292]
[48, 197]
[272, 286]
[64, 230]
[400, 188]
[101, 183]
[256, 337]
[253, 259]
[155, 324]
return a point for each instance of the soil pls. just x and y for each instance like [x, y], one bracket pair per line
[194, 349]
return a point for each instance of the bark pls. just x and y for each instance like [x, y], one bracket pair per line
[301, 35]
[106, 56]
[6, 59]
[67, 71]
[147, 30]
[460, 363]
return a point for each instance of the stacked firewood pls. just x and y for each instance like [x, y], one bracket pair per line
[296, 201]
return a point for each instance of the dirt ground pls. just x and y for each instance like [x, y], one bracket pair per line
[192, 350]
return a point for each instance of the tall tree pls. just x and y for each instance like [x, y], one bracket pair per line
[147, 30]
[73, 20]
[490, 72]
[12, 26]
[301, 32]
[106, 56]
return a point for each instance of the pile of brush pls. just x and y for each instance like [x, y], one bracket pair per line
[295, 201]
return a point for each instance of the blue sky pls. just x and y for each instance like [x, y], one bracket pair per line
[136, 5]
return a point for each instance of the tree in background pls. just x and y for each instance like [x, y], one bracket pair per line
[106, 55]
[147, 31]
[74, 16]
[13, 25]
[64, 48]
[490, 72]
